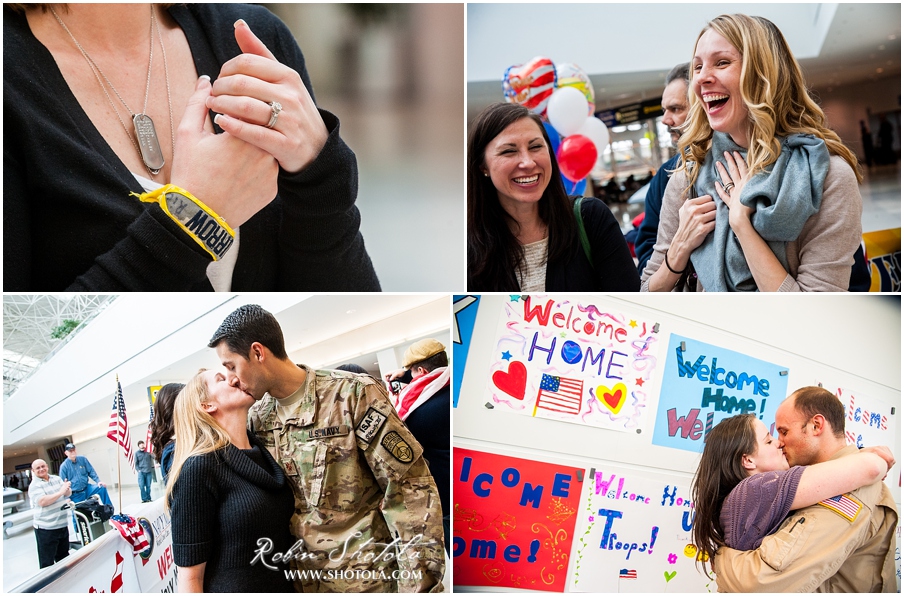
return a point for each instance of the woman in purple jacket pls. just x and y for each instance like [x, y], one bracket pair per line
[744, 488]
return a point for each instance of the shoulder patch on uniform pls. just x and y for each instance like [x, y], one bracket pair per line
[370, 425]
[844, 505]
[397, 447]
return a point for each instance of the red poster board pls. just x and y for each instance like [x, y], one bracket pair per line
[514, 521]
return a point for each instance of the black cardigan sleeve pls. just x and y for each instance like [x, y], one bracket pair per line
[320, 246]
[612, 262]
[194, 505]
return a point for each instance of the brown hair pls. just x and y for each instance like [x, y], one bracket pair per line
[811, 401]
[720, 470]
[162, 425]
[494, 253]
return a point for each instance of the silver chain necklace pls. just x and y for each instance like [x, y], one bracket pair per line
[148, 145]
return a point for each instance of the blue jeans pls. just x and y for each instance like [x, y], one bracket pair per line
[92, 489]
[144, 484]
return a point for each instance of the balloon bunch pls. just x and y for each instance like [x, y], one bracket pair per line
[563, 95]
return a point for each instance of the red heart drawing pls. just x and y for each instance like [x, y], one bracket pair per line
[530, 84]
[512, 382]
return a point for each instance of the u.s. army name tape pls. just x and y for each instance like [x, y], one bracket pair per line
[199, 221]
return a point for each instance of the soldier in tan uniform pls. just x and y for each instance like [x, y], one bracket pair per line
[367, 511]
[843, 544]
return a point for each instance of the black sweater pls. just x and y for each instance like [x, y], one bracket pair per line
[613, 268]
[222, 503]
[70, 224]
[431, 426]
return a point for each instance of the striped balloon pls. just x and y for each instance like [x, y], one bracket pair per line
[530, 84]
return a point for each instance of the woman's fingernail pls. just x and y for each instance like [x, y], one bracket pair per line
[240, 22]
[218, 119]
[201, 80]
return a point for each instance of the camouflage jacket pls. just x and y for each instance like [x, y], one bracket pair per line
[364, 497]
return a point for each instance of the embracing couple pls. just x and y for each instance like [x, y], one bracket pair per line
[281, 470]
[803, 512]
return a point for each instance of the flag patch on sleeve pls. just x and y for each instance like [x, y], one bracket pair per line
[844, 505]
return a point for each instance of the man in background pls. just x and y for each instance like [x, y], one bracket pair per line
[48, 494]
[78, 471]
[674, 113]
[423, 405]
[145, 465]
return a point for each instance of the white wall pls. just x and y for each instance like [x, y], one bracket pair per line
[854, 341]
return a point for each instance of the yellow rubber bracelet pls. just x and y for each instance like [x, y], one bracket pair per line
[199, 221]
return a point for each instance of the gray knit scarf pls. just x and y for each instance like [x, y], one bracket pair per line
[783, 198]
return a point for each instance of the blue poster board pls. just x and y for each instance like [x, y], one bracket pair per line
[702, 384]
[464, 313]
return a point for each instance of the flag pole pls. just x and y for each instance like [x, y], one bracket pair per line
[118, 463]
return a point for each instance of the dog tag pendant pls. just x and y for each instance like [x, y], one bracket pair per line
[148, 143]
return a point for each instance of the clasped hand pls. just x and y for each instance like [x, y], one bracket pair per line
[236, 173]
[734, 177]
[243, 94]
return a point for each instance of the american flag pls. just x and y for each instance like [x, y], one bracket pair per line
[627, 574]
[132, 531]
[558, 394]
[843, 505]
[119, 425]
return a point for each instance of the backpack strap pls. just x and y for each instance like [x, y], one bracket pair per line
[585, 242]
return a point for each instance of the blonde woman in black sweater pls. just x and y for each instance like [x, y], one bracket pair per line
[228, 497]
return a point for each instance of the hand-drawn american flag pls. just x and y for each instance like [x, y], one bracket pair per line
[119, 425]
[627, 574]
[558, 394]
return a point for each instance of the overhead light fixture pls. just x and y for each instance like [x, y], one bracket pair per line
[348, 312]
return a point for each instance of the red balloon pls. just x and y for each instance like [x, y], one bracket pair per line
[576, 156]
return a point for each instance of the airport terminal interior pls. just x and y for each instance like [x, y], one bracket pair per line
[850, 55]
[63, 355]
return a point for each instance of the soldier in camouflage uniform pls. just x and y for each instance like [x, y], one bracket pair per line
[359, 477]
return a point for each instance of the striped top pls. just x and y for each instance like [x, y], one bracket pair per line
[534, 279]
[51, 517]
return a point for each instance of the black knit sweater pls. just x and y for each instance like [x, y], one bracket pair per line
[222, 503]
[70, 224]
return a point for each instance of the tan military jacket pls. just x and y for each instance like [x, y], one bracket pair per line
[846, 545]
[360, 483]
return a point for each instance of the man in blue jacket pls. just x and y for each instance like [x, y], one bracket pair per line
[78, 470]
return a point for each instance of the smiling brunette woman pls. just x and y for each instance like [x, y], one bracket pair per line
[523, 232]
[744, 488]
[788, 214]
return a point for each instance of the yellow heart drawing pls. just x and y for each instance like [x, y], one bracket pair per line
[613, 398]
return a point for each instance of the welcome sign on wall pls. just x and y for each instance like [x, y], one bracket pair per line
[574, 360]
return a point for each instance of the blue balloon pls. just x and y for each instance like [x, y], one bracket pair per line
[575, 188]
[554, 138]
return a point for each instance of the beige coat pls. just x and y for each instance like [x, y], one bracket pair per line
[818, 549]
[819, 260]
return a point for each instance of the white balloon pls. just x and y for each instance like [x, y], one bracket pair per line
[567, 110]
[595, 129]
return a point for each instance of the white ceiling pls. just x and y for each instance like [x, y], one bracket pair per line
[320, 331]
[627, 49]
